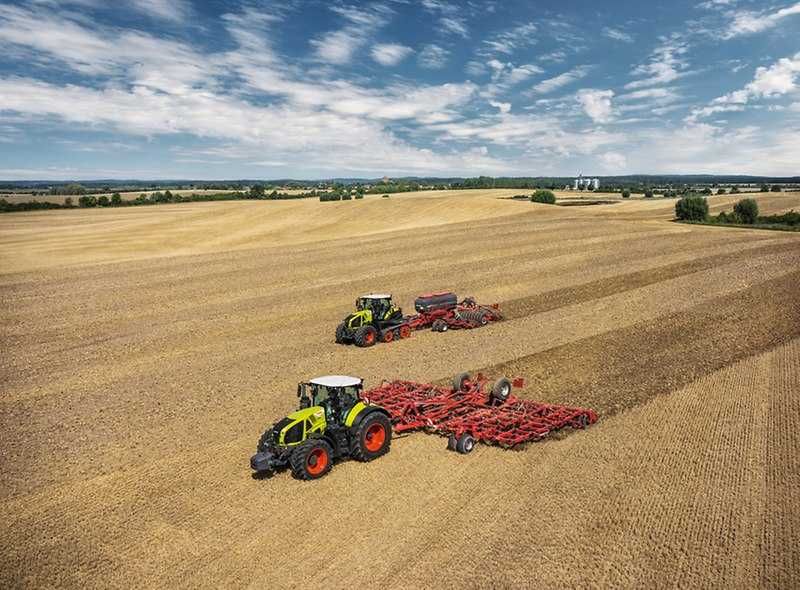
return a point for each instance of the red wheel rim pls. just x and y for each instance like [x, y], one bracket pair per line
[389, 336]
[369, 337]
[317, 461]
[405, 331]
[375, 437]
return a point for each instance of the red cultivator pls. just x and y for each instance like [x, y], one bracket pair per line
[470, 412]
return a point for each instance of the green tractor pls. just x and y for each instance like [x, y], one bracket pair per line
[376, 319]
[332, 422]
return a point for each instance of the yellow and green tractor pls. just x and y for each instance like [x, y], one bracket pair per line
[376, 319]
[333, 422]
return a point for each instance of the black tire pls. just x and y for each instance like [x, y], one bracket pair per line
[365, 430]
[366, 336]
[439, 326]
[458, 381]
[451, 442]
[501, 389]
[306, 457]
[341, 334]
[465, 443]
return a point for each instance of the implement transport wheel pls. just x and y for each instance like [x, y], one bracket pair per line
[405, 331]
[581, 422]
[366, 336]
[439, 326]
[481, 317]
[311, 459]
[465, 443]
[460, 381]
[341, 333]
[388, 336]
[451, 442]
[373, 437]
[501, 390]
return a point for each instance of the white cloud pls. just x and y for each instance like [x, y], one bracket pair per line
[745, 22]
[617, 35]
[509, 41]
[433, 57]
[554, 57]
[665, 64]
[596, 104]
[339, 47]
[503, 107]
[174, 10]
[613, 161]
[390, 54]
[454, 25]
[768, 82]
[561, 80]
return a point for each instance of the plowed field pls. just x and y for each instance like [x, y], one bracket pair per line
[144, 350]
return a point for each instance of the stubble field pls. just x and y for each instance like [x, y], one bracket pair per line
[144, 351]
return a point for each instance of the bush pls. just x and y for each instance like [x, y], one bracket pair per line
[103, 201]
[735, 190]
[776, 188]
[116, 200]
[648, 193]
[746, 210]
[68, 202]
[691, 209]
[721, 191]
[87, 201]
[543, 196]
[706, 191]
[347, 197]
[626, 194]
[384, 196]
[359, 195]
[764, 188]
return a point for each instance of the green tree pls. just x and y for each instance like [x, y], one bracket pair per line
[746, 210]
[764, 188]
[257, 191]
[721, 191]
[648, 193]
[103, 201]
[706, 191]
[87, 201]
[543, 196]
[626, 194]
[68, 202]
[116, 200]
[776, 188]
[735, 190]
[691, 208]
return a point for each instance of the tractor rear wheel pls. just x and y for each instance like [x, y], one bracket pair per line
[311, 459]
[341, 333]
[373, 437]
[366, 336]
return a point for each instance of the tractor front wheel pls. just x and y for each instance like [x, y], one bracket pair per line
[366, 336]
[341, 334]
[311, 459]
[373, 437]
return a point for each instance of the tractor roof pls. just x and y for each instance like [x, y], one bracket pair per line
[336, 381]
[377, 296]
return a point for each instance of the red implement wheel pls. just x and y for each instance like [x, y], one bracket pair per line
[388, 336]
[405, 331]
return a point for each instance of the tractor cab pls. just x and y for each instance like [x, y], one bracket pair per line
[379, 305]
[336, 394]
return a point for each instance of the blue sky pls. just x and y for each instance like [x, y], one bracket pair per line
[315, 89]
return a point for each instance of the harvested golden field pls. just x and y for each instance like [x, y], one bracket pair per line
[126, 196]
[145, 350]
